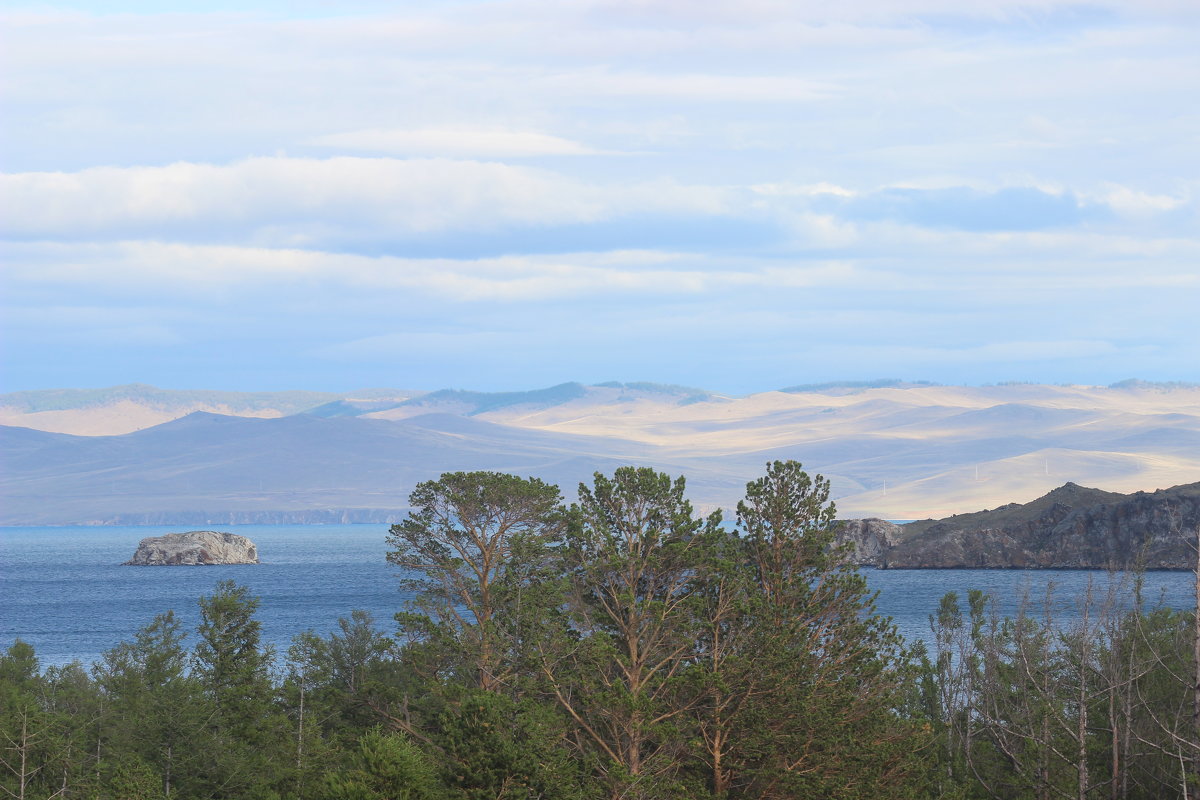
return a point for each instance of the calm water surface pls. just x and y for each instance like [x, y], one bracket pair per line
[64, 590]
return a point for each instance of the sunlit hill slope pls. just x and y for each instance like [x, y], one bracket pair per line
[896, 450]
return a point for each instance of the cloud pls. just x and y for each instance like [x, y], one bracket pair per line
[943, 309]
[156, 267]
[713, 12]
[984, 210]
[300, 202]
[456, 207]
[455, 142]
[1134, 203]
[417, 195]
[956, 269]
[793, 178]
[806, 190]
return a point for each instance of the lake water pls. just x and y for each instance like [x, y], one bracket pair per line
[64, 590]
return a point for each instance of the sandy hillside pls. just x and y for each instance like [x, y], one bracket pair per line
[915, 452]
[900, 452]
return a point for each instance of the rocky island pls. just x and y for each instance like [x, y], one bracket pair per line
[194, 548]
[1072, 527]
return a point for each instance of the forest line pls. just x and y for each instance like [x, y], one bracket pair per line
[621, 647]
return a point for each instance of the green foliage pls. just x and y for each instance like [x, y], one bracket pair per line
[384, 766]
[632, 555]
[623, 648]
[131, 779]
[345, 673]
[156, 712]
[19, 667]
[787, 521]
[494, 746]
[1032, 706]
[827, 715]
[245, 735]
[337, 687]
[26, 732]
[473, 548]
[229, 658]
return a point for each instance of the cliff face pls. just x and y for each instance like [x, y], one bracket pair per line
[1069, 528]
[195, 548]
[871, 539]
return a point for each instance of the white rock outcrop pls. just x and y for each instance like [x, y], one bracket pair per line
[870, 539]
[194, 548]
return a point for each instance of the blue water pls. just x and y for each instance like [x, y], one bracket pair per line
[64, 590]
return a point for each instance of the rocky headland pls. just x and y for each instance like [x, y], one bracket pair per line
[1072, 527]
[194, 548]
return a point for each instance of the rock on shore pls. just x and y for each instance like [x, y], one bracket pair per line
[194, 548]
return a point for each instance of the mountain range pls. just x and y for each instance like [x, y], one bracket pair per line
[136, 454]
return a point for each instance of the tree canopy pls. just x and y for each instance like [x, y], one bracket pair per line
[620, 647]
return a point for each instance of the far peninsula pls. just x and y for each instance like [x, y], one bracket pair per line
[1072, 527]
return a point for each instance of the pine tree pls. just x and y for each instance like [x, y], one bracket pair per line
[472, 549]
[383, 766]
[155, 711]
[826, 717]
[618, 669]
[26, 730]
[246, 738]
[492, 746]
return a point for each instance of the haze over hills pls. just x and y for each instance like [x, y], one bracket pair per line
[135, 406]
[894, 450]
[206, 466]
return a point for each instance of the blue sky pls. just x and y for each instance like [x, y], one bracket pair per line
[506, 195]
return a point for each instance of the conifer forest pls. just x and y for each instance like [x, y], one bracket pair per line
[621, 647]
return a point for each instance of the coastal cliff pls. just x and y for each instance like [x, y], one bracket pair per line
[194, 548]
[1072, 527]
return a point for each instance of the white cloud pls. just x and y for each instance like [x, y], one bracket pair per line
[754, 139]
[936, 267]
[156, 267]
[802, 190]
[298, 201]
[461, 142]
[345, 203]
[1134, 203]
[188, 268]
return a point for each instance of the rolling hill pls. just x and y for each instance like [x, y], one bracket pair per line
[899, 451]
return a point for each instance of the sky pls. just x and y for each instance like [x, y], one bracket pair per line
[512, 194]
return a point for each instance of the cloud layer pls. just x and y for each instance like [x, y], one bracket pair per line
[496, 195]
